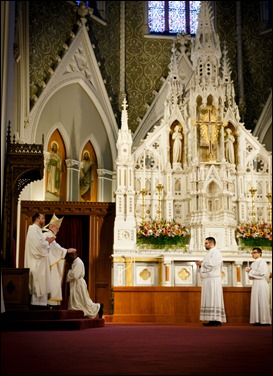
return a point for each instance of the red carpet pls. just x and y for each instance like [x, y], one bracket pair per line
[139, 350]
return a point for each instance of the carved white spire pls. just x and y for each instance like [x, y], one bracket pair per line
[124, 116]
[176, 87]
[125, 223]
[125, 141]
[230, 102]
[206, 51]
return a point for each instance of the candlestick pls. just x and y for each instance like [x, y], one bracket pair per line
[159, 187]
[253, 211]
[143, 193]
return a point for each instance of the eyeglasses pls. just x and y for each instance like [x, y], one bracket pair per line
[253, 252]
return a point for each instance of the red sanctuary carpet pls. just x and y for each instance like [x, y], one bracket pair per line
[189, 349]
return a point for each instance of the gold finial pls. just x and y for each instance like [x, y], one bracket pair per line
[159, 187]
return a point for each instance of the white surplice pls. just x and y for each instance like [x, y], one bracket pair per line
[57, 264]
[260, 295]
[212, 300]
[79, 298]
[37, 260]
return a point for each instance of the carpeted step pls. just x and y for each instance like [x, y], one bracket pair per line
[44, 315]
[48, 320]
[72, 324]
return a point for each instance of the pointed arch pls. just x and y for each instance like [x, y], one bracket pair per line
[88, 174]
[55, 168]
[174, 141]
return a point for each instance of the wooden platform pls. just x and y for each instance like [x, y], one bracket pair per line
[48, 320]
[174, 305]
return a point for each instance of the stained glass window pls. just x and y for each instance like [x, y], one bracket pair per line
[172, 17]
[85, 2]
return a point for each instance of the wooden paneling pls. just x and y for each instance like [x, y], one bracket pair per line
[174, 305]
[24, 163]
[237, 304]
[15, 288]
[97, 244]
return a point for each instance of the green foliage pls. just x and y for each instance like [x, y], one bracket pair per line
[162, 234]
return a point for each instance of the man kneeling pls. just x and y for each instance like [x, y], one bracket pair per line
[79, 298]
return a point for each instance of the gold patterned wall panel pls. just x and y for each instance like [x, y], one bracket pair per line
[50, 24]
[147, 59]
[256, 52]
[146, 62]
[106, 40]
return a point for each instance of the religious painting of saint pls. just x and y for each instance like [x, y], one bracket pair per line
[86, 176]
[54, 171]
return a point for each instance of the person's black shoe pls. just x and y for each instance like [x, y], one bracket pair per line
[100, 313]
[212, 323]
[257, 324]
[49, 306]
[38, 307]
[217, 323]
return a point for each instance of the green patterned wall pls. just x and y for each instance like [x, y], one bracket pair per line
[50, 25]
[147, 59]
[146, 62]
[257, 54]
[106, 40]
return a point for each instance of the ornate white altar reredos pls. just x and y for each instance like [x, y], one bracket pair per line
[197, 166]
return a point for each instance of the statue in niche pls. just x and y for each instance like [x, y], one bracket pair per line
[229, 146]
[54, 169]
[86, 176]
[177, 144]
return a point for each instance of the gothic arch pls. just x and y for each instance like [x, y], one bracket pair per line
[88, 174]
[55, 168]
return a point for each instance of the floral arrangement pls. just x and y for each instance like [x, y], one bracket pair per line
[255, 234]
[162, 234]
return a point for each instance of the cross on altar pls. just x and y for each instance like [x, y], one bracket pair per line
[209, 129]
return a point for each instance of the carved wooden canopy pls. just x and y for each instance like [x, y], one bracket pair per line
[24, 164]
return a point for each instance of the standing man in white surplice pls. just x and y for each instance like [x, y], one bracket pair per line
[212, 301]
[260, 313]
[37, 250]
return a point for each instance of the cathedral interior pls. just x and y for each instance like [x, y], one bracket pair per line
[92, 102]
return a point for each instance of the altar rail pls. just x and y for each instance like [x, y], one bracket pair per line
[174, 305]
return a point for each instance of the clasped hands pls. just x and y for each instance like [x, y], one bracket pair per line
[51, 239]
